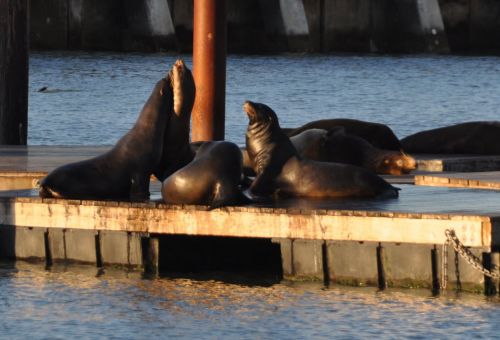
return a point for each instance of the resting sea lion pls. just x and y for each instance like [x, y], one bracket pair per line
[379, 135]
[482, 138]
[212, 178]
[124, 171]
[280, 170]
[176, 150]
[338, 146]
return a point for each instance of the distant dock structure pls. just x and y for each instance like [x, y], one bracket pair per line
[272, 26]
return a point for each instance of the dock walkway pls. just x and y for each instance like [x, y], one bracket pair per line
[380, 242]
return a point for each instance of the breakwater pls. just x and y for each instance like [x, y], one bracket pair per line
[272, 26]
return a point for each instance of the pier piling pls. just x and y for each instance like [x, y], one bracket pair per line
[151, 255]
[490, 284]
[382, 282]
[436, 285]
[14, 72]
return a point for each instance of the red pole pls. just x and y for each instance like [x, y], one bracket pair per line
[209, 69]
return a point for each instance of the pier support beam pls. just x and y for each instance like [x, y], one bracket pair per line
[14, 72]
[209, 68]
[490, 262]
[151, 255]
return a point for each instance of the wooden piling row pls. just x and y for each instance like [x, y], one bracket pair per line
[101, 248]
[385, 265]
[382, 265]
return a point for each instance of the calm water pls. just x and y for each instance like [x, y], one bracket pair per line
[76, 302]
[95, 98]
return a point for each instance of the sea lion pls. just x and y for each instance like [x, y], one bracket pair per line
[379, 135]
[338, 146]
[211, 178]
[124, 171]
[280, 170]
[480, 137]
[176, 149]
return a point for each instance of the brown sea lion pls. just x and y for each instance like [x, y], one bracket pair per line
[124, 171]
[379, 135]
[481, 138]
[280, 170]
[176, 150]
[211, 178]
[338, 146]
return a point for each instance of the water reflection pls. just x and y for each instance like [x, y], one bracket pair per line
[75, 300]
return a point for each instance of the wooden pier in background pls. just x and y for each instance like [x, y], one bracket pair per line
[395, 243]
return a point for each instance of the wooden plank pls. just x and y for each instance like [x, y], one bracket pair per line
[474, 231]
[476, 180]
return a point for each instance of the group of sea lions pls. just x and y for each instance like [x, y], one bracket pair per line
[323, 159]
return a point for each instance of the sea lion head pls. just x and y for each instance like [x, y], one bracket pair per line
[266, 143]
[183, 88]
[260, 114]
[395, 163]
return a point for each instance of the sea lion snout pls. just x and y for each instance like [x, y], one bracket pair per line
[249, 108]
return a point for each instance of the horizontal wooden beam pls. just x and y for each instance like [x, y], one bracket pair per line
[340, 225]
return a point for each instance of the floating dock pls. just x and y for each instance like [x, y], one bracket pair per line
[384, 243]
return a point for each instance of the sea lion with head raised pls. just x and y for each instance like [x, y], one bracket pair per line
[479, 138]
[280, 170]
[124, 171]
[338, 146]
[176, 149]
[211, 178]
[379, 135]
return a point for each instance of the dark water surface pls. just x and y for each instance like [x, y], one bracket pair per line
[95, 98]
[76, 302]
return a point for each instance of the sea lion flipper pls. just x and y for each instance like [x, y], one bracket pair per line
[139, 188]
[263, 185]
[222, 198]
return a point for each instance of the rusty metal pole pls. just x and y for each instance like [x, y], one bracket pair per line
[209, 69]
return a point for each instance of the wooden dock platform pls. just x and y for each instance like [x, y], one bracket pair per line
[395, 242]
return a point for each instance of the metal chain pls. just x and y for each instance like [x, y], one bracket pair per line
[472, 259]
